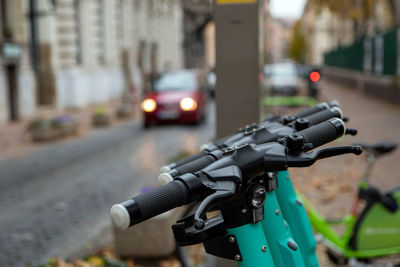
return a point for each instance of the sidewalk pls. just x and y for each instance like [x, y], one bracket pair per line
[15, 141]
[331, 184]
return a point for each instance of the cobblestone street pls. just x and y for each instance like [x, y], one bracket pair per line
[56, 200]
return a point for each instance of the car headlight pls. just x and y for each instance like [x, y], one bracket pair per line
[188, 104]
[149, 105]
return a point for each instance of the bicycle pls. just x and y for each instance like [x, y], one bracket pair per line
[238, 183]
[370, 233]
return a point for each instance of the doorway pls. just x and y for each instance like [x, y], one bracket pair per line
[11, 81]
[9, 51]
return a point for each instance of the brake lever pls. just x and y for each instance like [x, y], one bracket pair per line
[306, 159]
[219, 196]
[223, 182]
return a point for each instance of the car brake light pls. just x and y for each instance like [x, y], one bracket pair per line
[315, 76]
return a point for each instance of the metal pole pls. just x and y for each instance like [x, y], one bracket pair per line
[238, 62]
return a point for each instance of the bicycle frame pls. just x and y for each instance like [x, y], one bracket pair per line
[340, 242]
[295, 213]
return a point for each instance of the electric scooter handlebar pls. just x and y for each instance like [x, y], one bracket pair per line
[196, 164]
[184, 161]
[150, 204]
[312, 110]
[206, 148]
[219, 180]
[323, 133]
[259, 136]
[321, 116]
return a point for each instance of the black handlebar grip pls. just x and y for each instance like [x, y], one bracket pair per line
[334, 103]
[312, 110]
[323, 133]
[195, 165]
[183, 161]
[150, 204]
[324, 115]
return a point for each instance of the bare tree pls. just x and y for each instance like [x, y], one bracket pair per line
[358, 11]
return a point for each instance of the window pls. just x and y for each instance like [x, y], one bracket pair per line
[100, 28]
[137, 5]
[78, 32]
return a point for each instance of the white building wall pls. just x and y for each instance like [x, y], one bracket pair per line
[86, 45]
[127, 26]
[26, 80]
[160, 22]
[27, 97]
[172, 40]
[98, 77]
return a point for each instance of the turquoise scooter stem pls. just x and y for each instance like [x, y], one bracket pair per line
[285, 251]
[296, 216]
[253, 246]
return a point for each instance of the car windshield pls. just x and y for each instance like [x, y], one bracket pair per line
[176, 81]
[283, 71]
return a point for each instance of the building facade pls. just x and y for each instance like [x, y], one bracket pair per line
[325, 30]
[278, 33]
[158, 36]
[17, 81]
[198, 21]
[80, 52]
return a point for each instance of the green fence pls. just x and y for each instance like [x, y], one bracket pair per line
[378, 54]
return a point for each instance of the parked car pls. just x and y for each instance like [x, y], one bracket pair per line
[177, 96]
[303, 71]
[282, 79]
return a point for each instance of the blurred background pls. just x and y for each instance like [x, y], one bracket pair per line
[97, 95]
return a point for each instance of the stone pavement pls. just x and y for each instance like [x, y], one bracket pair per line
[55, 200]
[376, 120]
[331, 184]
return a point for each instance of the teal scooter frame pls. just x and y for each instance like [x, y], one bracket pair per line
[252, 229]
[268, 242]
[296, 216]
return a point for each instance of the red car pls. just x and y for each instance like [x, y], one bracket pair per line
[177, 96]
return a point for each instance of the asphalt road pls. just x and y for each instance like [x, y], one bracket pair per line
[56, 200]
